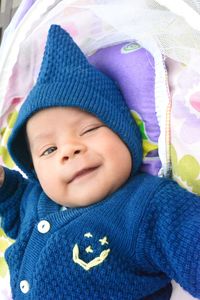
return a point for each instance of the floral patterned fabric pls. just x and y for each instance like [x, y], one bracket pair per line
[185, 124]
[170, 139]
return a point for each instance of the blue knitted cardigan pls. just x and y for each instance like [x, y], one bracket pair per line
[128, 246]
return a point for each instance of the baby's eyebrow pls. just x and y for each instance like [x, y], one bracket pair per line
[41, 136]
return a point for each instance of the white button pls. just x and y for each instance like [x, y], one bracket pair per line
[24, 286]
[43, 226]
[63, 208]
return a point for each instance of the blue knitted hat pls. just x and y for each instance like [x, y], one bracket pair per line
[67, 79]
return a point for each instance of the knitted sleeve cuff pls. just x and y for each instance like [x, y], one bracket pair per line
[11, 181]
[11, 193]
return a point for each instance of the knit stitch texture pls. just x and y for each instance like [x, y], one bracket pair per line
[133, 242]
[67, 79]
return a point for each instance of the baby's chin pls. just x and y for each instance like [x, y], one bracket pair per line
[81, 202]
[83, 195]
[78, 204]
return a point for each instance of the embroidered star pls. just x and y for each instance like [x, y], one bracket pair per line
[103, 241]
[88, 235]
[89, 249]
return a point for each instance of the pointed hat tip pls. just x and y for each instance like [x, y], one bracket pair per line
[56, 32]
[55, 28]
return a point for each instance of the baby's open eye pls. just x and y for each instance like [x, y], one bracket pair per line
[49, 151]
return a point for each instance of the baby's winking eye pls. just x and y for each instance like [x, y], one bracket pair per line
[49, 151]
[91, 128]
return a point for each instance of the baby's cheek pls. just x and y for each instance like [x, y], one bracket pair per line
[44, 175]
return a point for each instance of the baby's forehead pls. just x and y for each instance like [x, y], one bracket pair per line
[62, 117]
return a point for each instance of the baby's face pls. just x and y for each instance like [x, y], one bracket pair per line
[77, 159]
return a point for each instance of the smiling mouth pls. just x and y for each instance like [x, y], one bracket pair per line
[82, 173]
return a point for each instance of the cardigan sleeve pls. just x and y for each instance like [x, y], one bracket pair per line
[169, 240]
[11, 193]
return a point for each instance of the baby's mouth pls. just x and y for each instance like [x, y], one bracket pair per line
[82, 173]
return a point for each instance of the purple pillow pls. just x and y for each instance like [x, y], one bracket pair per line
[133, 68]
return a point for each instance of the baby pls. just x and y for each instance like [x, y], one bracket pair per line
[87, 223]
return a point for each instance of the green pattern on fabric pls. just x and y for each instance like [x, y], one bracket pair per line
[147, 144]
[5, 242]
[186, 171]
[5, 133]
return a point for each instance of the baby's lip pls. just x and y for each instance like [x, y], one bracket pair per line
[82, 172]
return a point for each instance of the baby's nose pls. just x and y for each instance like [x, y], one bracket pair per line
[72, 150]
